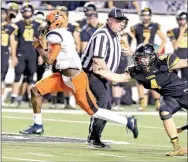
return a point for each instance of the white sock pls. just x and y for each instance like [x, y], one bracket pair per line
[38, 118]
[109, 115]
[72, 101]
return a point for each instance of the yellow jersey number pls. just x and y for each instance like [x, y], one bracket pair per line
[146, 35]
[28, 34]
[4, 39]
[154, 84]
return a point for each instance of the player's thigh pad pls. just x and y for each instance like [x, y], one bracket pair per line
[83, 95]
[52, 83]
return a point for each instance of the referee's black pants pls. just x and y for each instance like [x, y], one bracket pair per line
[101, 90]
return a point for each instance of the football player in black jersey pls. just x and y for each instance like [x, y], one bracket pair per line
[24, 56]
[178, 37]
[89, 8]
[158, 74]
[145, 32]
[6, 41]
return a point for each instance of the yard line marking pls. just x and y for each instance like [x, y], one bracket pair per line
[119, 156]
[182, 157]
[30, 153]
[21, 159]
[81, 112]
[106, 141]
[72, 121]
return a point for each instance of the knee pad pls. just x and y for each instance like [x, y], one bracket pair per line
[17, 77]
[165, 108]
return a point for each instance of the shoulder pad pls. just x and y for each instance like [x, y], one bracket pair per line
[164, 56]
[54, 37]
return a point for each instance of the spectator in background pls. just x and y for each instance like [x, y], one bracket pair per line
[124, 5]
[91, 26]
[178, 37]
[145, 32]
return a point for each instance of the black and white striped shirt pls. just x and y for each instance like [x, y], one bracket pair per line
[104, 44]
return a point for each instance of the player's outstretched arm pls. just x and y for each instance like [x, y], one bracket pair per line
[110, 75]
[182, 63]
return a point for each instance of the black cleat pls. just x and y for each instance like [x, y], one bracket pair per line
[132, 125]
[97, 143]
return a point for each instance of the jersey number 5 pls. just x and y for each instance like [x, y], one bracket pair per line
[146, 34]
[4, 39]
[28, 34]
[154, 84]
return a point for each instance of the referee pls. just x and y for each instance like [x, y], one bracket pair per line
[104, 49]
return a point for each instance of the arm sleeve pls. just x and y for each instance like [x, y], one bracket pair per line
[172, 60]
[100, 43]
[171, 35]
[54, 51]
[54, 37]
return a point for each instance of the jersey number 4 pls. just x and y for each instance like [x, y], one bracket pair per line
[28, 34]
[154, 84]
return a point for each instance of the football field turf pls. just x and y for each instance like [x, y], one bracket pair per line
[65, 138]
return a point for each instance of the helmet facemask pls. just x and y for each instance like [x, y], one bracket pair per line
[55, 20]
[144, 58]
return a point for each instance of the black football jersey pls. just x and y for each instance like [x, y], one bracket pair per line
[5, 37]
[25, 33]
[183, 45]
[160, 78]
[145, 33]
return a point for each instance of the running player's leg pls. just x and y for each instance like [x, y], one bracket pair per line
[53, 83]
[168, 107]
[87, 102]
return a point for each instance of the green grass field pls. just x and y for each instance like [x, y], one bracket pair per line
[151, 145]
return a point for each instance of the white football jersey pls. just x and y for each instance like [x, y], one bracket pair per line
[68, 56]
